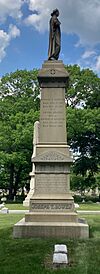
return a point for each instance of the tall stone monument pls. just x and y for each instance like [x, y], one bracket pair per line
[26, 202]
[52, 212]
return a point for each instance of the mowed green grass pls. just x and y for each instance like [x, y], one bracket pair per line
[92, 206]
[28, 256]
[16, 207]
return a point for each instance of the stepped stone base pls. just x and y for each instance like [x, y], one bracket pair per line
[51, 217]
[53, 229]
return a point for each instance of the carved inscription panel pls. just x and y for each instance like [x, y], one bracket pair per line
[52, 113]
[51, 184]
[52, 116]
[51, 206]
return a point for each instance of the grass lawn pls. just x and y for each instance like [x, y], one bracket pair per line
[16, 206]
[28, 256]
[92, 206]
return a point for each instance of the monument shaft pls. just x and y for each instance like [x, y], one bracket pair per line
[52, 116]
[52, 161]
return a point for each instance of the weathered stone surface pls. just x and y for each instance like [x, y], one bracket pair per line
[52, 116]
[60, 258]
[51, 183]
[51, 217]
[50, 229]
[53, 74]
[4, 210]
[52, 156]
[60, 248]
[51, 206]
[26, 202]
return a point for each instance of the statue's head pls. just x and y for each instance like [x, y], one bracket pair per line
[56, 12]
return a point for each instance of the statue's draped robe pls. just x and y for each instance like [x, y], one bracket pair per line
[54, 38]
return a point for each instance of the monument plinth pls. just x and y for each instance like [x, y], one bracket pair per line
[52, 212]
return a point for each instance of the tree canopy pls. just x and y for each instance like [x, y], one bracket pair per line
[83, 123]
[84, 88]
[19, 106]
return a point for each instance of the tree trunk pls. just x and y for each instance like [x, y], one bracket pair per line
[17, 180]
[11, 195]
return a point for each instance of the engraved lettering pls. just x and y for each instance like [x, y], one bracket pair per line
[52, 112]
[51, 206]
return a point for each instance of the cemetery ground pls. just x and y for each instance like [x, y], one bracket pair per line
[33, 255]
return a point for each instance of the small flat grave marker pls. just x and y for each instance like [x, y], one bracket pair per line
[60, 258]
[4, 210]
[60, 248]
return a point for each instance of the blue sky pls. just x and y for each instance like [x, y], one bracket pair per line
[24, 33]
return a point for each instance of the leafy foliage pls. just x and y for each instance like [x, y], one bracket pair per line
[83, 120]
[19, 110]
[84, 87]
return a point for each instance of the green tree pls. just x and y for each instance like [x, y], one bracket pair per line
[84, 87]
[19, 105]
[84, 139]
[83, 119]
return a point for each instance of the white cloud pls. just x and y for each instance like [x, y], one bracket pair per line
[4, 42]
[5, 39]
[79, 17]
[88, 54]
[40, 20]
[13, 31]
[10, 8]
[97, 65]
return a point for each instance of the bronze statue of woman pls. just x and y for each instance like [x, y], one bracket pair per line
[54, 36]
